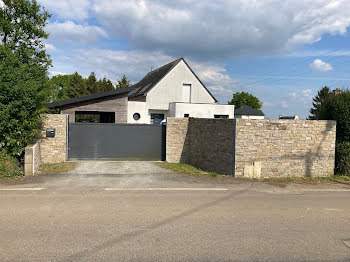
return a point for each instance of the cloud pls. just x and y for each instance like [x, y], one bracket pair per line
[222, 29]
[50, 47]
[68, 9]
[70, 32]
[54, 73]
[1, 4]
[321, 66]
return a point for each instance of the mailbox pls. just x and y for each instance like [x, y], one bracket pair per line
[50, 132]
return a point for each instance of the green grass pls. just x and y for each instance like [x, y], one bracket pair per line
[57, 168]
[186, 169]
[284, 181]
[278, 181]
[10, 168]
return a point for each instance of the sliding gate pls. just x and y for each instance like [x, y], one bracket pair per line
[116, 141]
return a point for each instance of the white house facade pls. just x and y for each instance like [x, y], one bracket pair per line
[178, 93]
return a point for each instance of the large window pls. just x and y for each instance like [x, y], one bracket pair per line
[221, 116]
[94, 117]
[156, 119]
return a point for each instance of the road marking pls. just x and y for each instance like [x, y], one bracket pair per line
[22, 189]
[165, 189]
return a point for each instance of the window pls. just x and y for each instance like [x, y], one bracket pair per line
[221, 116]
[186, 115]
[156, 119]
[94, 117]
[186, 93]
[136, 116]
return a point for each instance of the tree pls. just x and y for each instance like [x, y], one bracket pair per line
[23, 73]
[123, 83]
[58, 87]
[240, 99]
[319, 102]
[91, 84]
[77, 86]
[109, 86]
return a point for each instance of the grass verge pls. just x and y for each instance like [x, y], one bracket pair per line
[278, 181]
[284, 181]
[57, 168]
[186, 169]
[10, 168]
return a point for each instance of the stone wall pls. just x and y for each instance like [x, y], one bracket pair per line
[253, 148]
[211, 144]
[54, 149]
[177, 140]
[204, 143]
[275, 148]
[32, 159]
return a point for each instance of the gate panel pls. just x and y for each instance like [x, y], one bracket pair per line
[115, 141]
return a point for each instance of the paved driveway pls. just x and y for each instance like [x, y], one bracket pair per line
[105, 211]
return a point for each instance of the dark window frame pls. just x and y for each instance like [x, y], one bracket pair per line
[221, 116]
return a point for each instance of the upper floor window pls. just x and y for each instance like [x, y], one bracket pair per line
[186, 93]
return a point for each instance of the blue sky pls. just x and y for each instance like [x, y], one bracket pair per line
[280, 51]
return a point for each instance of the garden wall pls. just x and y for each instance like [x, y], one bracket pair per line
[54, 149]
[253, 148]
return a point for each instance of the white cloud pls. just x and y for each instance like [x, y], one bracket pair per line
[1, 4]
[68, 9]
[70, 32]
[50, 47]
[55, 73]
[321, 66]
[221, 29]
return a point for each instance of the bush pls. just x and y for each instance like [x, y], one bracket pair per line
[9, 167]
[342, 158]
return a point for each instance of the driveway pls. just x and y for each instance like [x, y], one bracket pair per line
[136, 211]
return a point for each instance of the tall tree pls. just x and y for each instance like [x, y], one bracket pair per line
[91, 84]
[109, 86]
[319, 102]
[77, 86]
[23, 73]
[240, 99]
[123, 83]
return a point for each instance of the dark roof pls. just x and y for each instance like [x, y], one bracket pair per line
[139, 89]
[153, 78]
[248, 111]
[89, 97]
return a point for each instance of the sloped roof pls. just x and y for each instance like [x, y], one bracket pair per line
[248, 111]
[154, 77]
[89, 97]
[139, 89]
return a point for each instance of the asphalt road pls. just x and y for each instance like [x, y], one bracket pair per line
[139, 212]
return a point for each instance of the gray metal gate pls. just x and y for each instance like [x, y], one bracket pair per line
[116, 141]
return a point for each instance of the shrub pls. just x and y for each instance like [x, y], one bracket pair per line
[342, 158]
[9, 167]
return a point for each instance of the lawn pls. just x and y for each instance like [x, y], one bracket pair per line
[57, 168]
[278, 181]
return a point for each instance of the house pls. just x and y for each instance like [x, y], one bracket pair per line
[246, 112]
[172, 90]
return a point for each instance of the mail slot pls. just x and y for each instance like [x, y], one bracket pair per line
[50, 132]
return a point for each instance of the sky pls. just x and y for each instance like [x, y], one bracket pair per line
[283, 52]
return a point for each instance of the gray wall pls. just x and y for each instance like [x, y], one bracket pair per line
[117, 104]
[254, 148]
